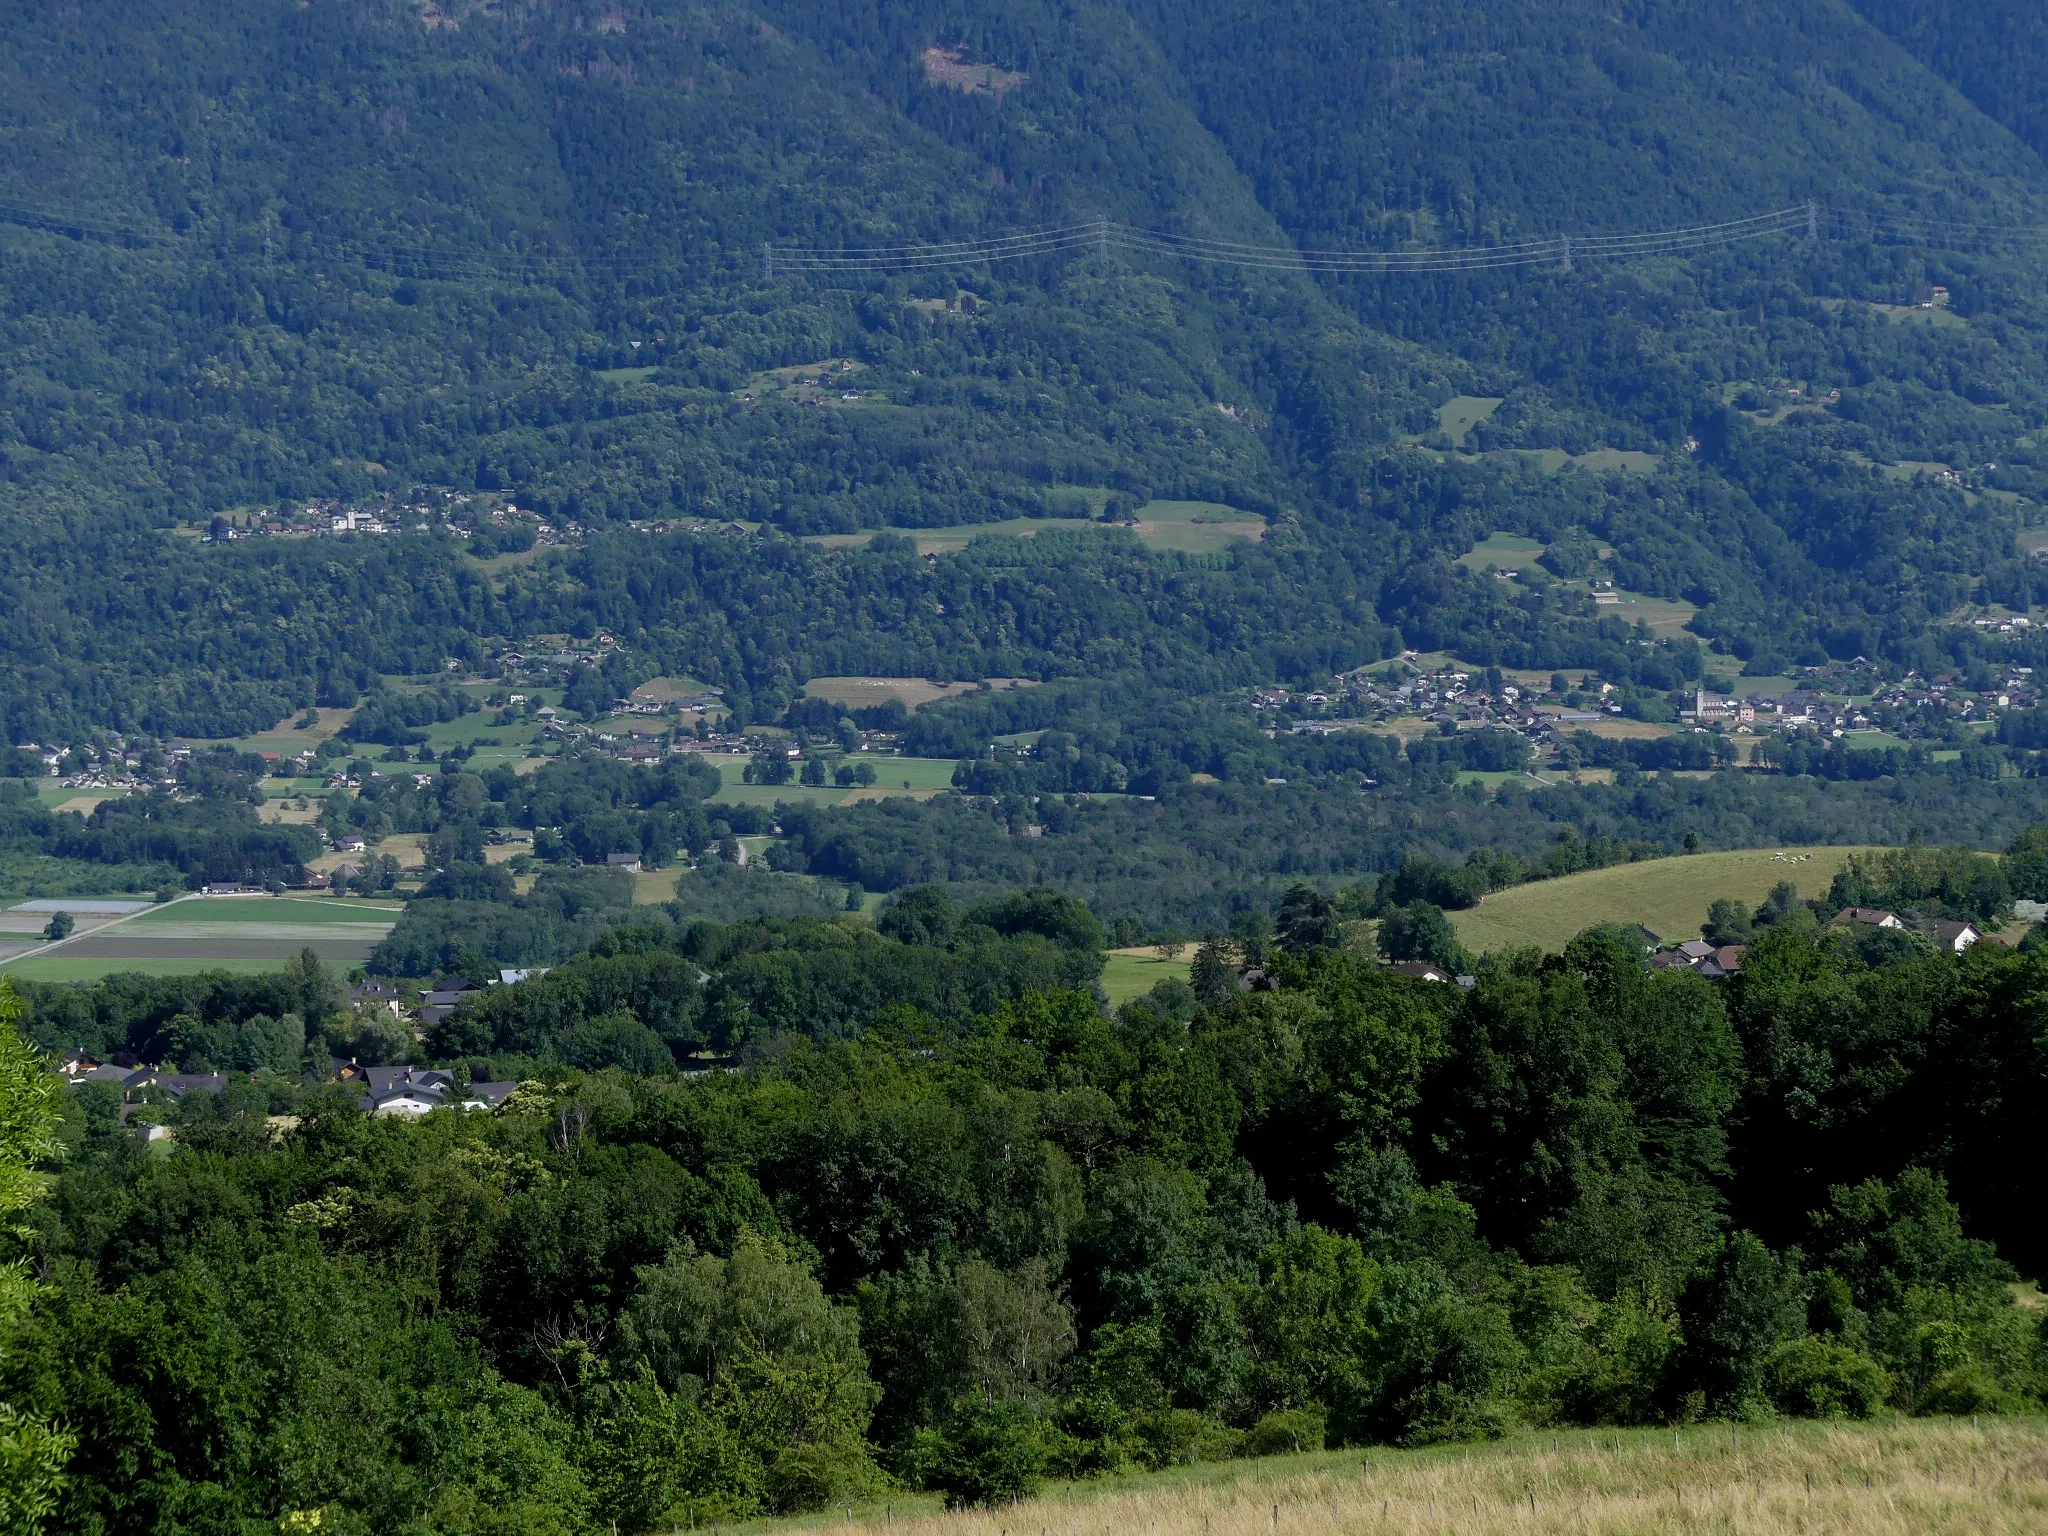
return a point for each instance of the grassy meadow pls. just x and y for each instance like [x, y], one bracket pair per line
[1909, 1477]
[1187, 527]
[1129, 973]
[916, 776]
[1670, 897]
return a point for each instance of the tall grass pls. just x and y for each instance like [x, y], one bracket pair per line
[1905, 1478]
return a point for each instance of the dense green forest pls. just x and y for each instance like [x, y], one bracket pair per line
[992, 1239]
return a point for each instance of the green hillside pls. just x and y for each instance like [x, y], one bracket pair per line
[259, 254]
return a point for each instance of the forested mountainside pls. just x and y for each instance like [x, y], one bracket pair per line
[262, 254]
[1988, 52]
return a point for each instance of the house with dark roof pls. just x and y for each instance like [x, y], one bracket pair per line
[175, 1085]
[1866, 917]
[1420, 969]
[448, 991]
[407, 1101]
[387, 1079]
[376, 994]
[1724, 962]
[1953, 938]
[1716, 962]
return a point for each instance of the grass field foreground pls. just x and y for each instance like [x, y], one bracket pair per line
[1911, 1477]
[1670, 896]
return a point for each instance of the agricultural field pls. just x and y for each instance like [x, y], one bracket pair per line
[1618, 728]
[214, 933]
[499, 744]
[409, 848]
[286, 737]
[1905, 1477]
[80, 802]
[1670, 897]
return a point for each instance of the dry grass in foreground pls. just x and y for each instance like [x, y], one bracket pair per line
[1912, 1478]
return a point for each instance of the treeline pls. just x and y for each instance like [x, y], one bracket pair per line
[1201, 852]
[1043, 1240]
[635, 999]
[583, 807]
[395, 719]
[171, 841]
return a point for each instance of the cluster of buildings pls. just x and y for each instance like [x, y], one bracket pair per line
[1801, 707]
[1944, 934]
[438, 1000]
[387, 1091]
[1716, 962]
[1944, 693]
[1362, 699]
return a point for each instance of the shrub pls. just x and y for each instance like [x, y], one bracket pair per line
[1281, 1434]
[1825, 1379]
[1180, 1437]
[1968, 1388]
[820, 1476]
[990, 1452]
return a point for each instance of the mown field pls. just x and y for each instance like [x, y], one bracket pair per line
[1188, 527]
[893, 776]
[1128, 973]
[1670, 897]
[1908, 1477]
[258, 933]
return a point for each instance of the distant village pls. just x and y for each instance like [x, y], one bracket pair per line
[1824, 700]
[424, 509]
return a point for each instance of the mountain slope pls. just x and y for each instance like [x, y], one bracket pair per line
[342, 250]
[1990, 51]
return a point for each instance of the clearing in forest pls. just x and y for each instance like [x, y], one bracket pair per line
[854, 692]
[1187, 527]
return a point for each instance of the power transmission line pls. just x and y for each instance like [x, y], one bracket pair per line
[1555, 250]
[408, 258]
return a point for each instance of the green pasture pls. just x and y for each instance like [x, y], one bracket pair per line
[1132, 973]
[893, 775]
[229, 910]
[1457, 416]
[1502, 549]
[1196, 527]
[1189, 527]
[1670, 896]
